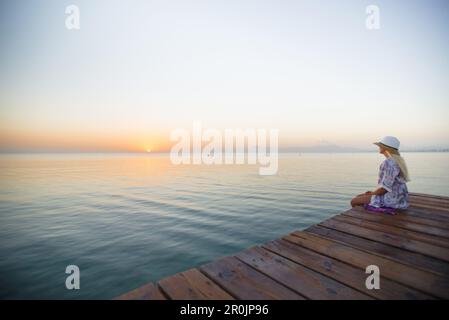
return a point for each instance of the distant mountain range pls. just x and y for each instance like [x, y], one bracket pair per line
[332, 148]
[321, 149]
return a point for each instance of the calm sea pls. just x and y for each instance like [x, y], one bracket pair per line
[127, 219]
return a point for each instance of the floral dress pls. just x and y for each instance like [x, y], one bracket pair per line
[391, 180]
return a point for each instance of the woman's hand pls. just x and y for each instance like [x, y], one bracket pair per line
[377, 192]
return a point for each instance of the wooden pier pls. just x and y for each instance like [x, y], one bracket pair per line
[328, 261]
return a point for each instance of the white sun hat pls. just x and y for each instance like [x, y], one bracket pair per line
[390, 142]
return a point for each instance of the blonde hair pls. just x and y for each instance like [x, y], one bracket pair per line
[400, 161]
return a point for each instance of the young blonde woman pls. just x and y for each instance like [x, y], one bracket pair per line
[392, 189]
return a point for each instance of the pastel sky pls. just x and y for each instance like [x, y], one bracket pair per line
[136, 70]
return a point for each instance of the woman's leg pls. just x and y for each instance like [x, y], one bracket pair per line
[360, 200]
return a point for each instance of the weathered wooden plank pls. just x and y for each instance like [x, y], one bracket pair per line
[426, 214]
[397, 221]
[429, 196]
[440, 208]
[427, 282]
[403, 216]
[390, 239]
[345, 273]
[244, 282]
[413, 259]
[438, 241]
[441, 204]
[145, 292]
[192, 285]
[429, 201]
[306, 282]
